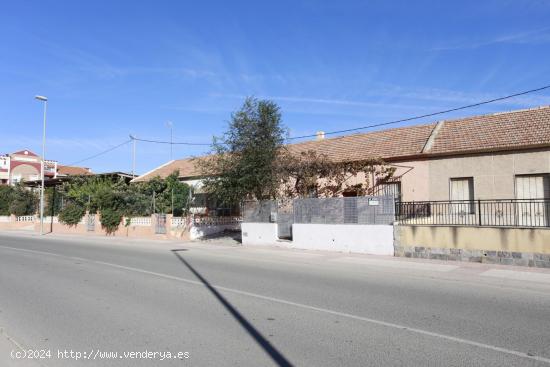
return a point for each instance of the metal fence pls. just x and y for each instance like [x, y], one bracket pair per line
[495, 213]
[346, 210]
[259, 211]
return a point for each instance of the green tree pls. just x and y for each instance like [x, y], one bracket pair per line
[71, 214]
[24, 201]
[110, 220]
[52, 201]
[243, 163]
[6, 198]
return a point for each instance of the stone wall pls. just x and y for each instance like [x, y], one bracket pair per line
[494, 245]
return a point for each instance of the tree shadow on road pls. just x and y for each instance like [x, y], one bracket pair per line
[275, 355]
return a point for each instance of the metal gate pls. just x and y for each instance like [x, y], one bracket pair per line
[90, 225]
[285, 219]
[160, 223]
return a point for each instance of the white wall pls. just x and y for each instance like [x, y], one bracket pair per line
[259, 234]
[197, 232]
[358, 238]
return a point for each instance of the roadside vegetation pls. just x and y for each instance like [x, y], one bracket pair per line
[113, 198]
[250, 161]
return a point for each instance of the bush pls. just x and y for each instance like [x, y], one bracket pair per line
[71, 215]
[24, 201]
[110, 220]
[6, 197]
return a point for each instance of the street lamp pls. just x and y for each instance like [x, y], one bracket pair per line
[42, 166]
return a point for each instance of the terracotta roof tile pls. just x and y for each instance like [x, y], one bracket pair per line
[507, 130]
[73, 171]
[391, 143]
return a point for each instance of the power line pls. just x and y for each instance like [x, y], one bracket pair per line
[423, 116]
[168, 142]
[344, 130]
[101, 153]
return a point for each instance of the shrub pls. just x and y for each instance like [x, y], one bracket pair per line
[6, 194]
[71, 215]
[24, 201]
[110, 220]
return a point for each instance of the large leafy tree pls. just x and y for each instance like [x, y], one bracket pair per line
[243, 163]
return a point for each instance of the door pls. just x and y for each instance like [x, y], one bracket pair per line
[532, 192]
[462, 200]
[285, 219]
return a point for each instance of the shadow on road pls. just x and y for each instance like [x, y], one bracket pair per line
[275, 355]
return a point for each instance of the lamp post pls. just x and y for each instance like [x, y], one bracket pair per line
[42, 166]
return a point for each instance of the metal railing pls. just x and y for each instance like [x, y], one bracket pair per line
[492, 213]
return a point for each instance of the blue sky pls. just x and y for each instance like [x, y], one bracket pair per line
[111, 68]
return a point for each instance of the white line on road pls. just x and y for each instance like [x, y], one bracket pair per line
[303, 306]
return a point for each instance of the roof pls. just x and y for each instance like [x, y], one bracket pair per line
[499, 131]
[25, 152]
[398, 142]
[73, 171]
[187, 168]
[514, 130]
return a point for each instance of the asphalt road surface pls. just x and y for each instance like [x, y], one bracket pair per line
[128, 303]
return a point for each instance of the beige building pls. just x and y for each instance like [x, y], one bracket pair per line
[497, 156]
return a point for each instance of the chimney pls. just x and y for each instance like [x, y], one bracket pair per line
[320, 135]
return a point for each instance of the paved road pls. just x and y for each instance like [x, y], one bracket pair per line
[233, 306]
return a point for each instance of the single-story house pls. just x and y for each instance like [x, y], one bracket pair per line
[496, 156]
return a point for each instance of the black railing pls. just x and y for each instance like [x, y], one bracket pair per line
[493, 213]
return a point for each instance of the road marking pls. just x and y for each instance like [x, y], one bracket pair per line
[18, 345]
[304, 306]
[396, 264]
[517, 275]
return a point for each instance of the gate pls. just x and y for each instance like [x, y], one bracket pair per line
[160, 223]
[90, 225]
[285, 219]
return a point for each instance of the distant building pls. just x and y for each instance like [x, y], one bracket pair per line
[25, 165]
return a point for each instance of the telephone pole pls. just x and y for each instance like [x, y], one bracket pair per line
[133, 155]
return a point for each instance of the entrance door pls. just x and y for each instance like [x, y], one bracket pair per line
[532, 192]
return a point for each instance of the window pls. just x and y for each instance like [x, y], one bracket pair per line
[531, 192]
[462, 189]
[533, 187]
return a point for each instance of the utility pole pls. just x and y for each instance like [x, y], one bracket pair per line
[170, 125]
[42, 166]
[133, 155]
